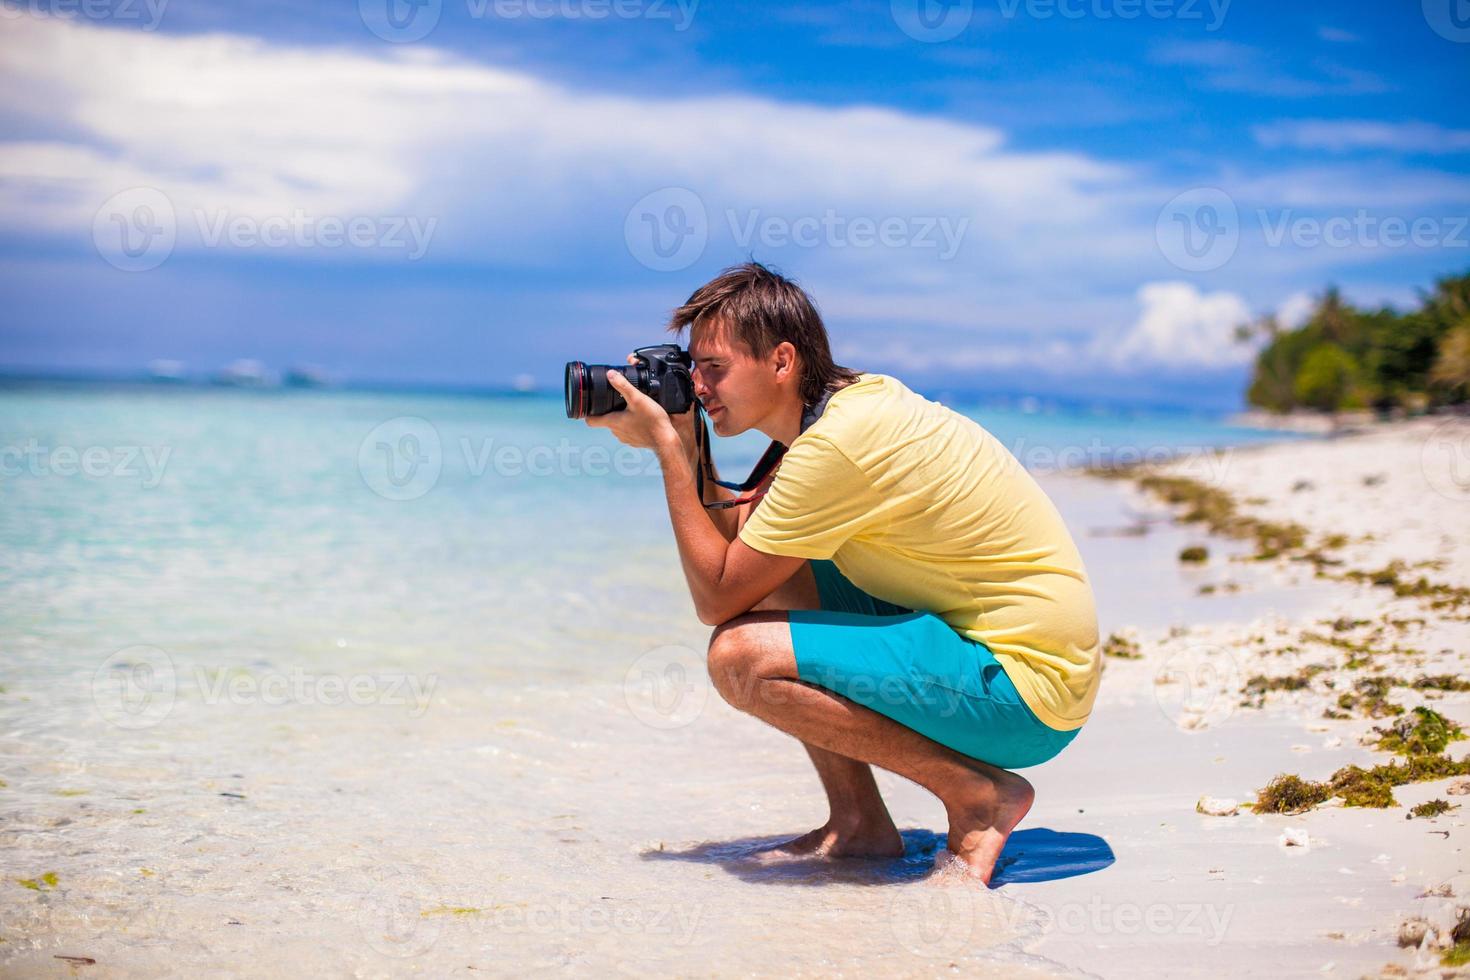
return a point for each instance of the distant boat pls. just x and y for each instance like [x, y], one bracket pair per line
[166, 371]
[306, 376]
[244, 373]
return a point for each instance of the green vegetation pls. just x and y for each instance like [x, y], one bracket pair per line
[1421, 737]
[1391, 576]
[1290, 794]
[1426, 732]
[1258, 686]
[1431, 809]
[1441, 682]
[1121, 647]
[48, 879]
[1217, 510]
[1349, 358]
[1459, 953]
[1195, 554]
[1355, 785]
[1369, 697]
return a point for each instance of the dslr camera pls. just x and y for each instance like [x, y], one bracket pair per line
[661, 372]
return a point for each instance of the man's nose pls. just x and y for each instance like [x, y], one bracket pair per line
[700, 388]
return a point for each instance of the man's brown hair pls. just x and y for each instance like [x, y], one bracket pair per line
[761, 309]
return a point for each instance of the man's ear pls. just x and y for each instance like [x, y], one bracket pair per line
[785, 359]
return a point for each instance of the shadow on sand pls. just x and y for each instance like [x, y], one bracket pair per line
[1037, 854]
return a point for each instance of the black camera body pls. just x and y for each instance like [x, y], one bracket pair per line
[661, 372]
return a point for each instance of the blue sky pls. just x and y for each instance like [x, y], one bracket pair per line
[1076, 197]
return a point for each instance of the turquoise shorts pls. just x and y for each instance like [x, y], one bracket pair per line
[912, 667]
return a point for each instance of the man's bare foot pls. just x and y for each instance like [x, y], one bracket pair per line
[982, 814]
[842, 839]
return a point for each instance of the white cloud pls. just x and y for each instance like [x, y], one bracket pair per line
[1337, 35]
[1180, 327]
[1344, 135]
[1226, 66]
[518, 169]
[1295, 310]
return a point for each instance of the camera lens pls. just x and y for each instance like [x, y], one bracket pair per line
[578, 386]
[588, 392]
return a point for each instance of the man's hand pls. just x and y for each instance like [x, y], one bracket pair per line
[643, 424]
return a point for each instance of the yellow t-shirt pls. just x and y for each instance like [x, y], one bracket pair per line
[921, 506]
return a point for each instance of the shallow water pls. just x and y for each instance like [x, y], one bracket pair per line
[334, 687]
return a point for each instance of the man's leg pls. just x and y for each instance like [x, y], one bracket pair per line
[754, 668]
[858, 823]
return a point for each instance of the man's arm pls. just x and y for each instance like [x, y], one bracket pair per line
[724, 518]
[726, 576]
[728, 520]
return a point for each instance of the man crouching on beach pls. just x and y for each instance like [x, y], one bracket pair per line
[903, 594]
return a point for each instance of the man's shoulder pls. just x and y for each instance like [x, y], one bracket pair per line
[856, 411]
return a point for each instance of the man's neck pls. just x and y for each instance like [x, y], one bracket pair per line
[784, 424]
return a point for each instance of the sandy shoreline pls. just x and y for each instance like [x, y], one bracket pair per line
[1387, 505]
[580, 826]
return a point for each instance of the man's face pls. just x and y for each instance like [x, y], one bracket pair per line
[736, 389]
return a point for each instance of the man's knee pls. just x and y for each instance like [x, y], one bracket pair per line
[729, 661]
[739, 656]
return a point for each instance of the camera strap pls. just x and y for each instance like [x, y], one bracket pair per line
[767, 464]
